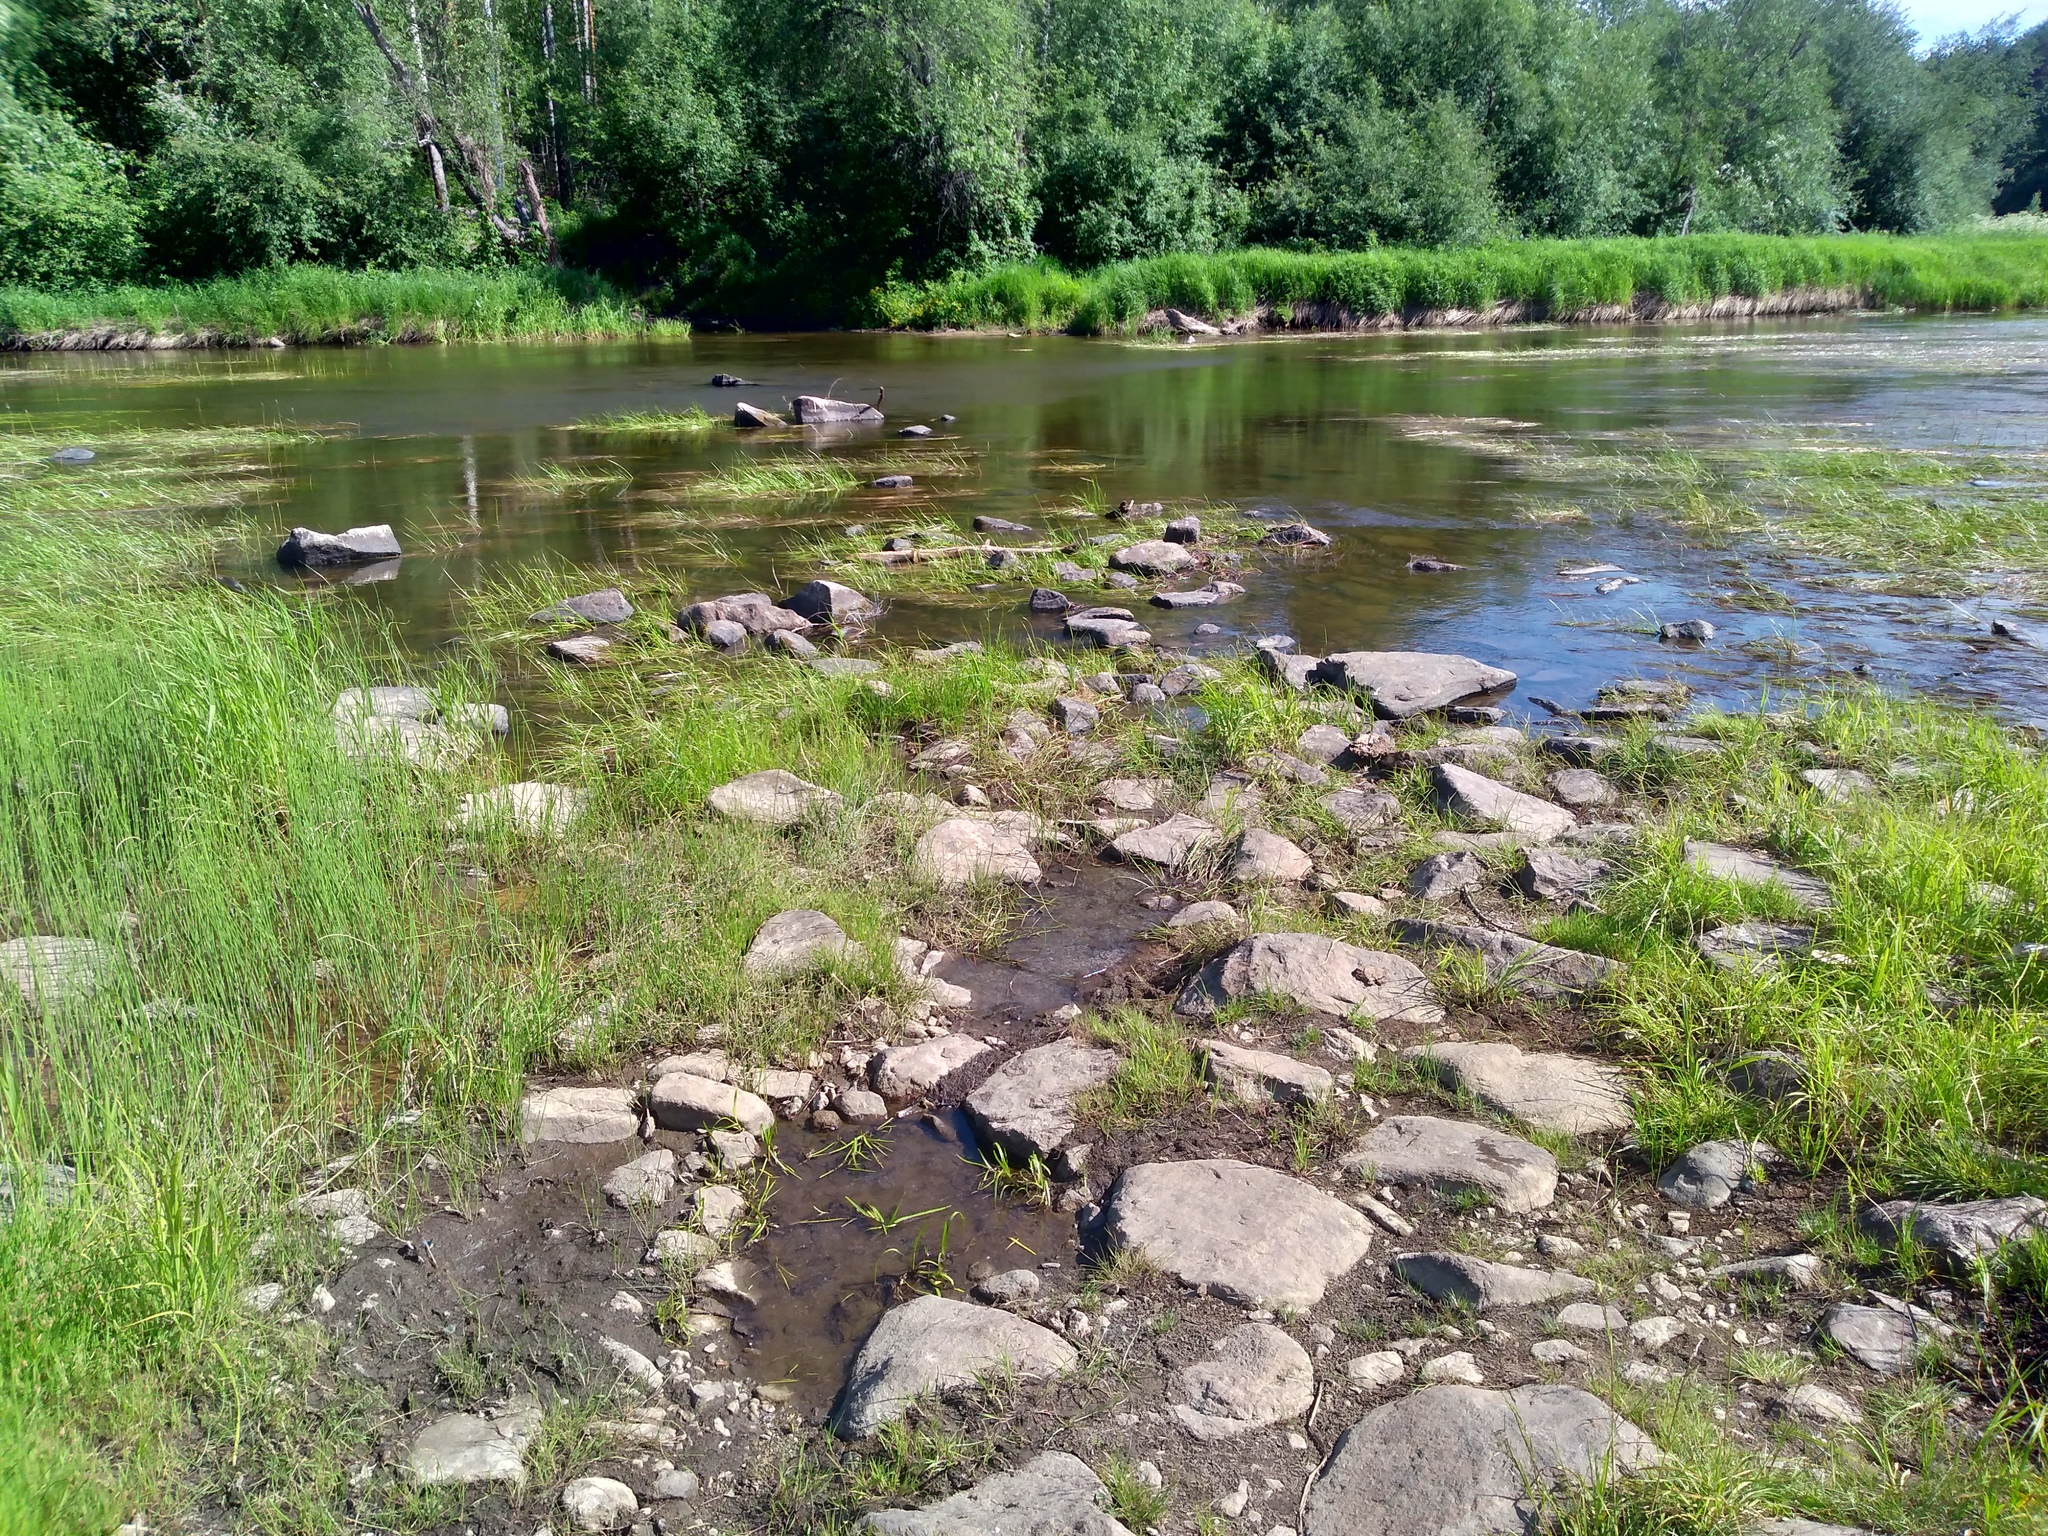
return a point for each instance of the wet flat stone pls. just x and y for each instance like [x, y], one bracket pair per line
[1264, 1077]
[1456, 1459]
[1249, 1234]
[1544, 1089]
[1482, 1284]
[1026, 1106]
[1708, 1176]
[1475, 797]
[905, 1071]
[962, 851]
[1257, 1376]
[1958, 1234]
[1053, 1494]
[466, 1448]
[1432, 1153]
[1739, 866]
[774, 797]
[931, 1344]
[1170, 844]
[579, 1116]
[1318, 973]
[1513, 963]
[683, 1102]
[1404, 683]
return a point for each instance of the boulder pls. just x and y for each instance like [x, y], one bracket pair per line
[1381, 1368]
[961, 852]
[1513, 963]
[1753, 948]
[1481, 1283]
[580, 650]
[1801, 1271]
[1888, 1340]
[1581, 788]
[773, 797]
[1547, 876]
[1256, 1377]
[1738, 866]
[1466, 1461]
[49, 970]
[684, 1102]
[1134, 794]
[1428, 1152]
[858, 1106]
[1322, 743]
[531, 810]
[1294, 673]
[646, 1181]
[822, 410]
[1108, 633]
[906, 1071]
[1152, 557]
[750, 417]
[791, 642]
[827, 602]
[1317, 973]
[1475, 797]
[307, 548]
[931, 1344]
[1709, 1175]
[1053, 1494]
[608, 606]
[466, 1448]
[1263, 1077]
[1250, 1235]
[1443, 875]
[1170, 844]
[1009, 1287]
[579, 1116]
[1544, 1089]
[717, 1207]
[1686, 629]
[1837, 785]
[1077, 717]
[754, 612]
[1026, 1106]
[1266, 858]
[1197, 914]
[790, 943]
[1592, 1317]
[1958, 1235]
[1403, 683]
[598, 1503]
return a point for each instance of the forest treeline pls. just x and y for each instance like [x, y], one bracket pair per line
[782, 158]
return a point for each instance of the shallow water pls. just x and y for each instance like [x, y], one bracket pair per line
[436, 440]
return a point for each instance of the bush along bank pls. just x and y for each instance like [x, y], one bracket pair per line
[1617, 280]
[314, 305]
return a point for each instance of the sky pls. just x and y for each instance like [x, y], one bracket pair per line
[1936, 19]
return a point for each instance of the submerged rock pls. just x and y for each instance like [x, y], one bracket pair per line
[1251, 1235]
[1318, 973]
[309, 548]
[1404, 683]
[827, 602]
[931, 1344]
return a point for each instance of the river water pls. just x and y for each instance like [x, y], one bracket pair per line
[1364, 436]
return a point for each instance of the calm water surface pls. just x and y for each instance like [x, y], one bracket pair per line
[443, 442]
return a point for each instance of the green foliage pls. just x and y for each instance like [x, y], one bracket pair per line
[65, 212]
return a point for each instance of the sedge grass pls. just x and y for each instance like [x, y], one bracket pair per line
[652, 423]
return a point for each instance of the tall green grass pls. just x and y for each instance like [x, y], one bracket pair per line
[1557, 279]
[313, 304]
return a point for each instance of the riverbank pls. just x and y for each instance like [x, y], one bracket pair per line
[1615, 281]
[323, 306]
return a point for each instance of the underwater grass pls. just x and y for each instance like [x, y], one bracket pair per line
[1556, 279]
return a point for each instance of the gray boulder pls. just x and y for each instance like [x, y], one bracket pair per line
[905, 1071]
[1581, 788]
[1404, 683]
[1514, 963]
[307, 548]
[1480, 1283]
[1317, 973]
[822, 411]
[1711, 1174]
[1443, 875]
[1961, 1234]
[1026, 1106]
[1170, 844]
[1466, 1461]
[1294, 673]
[961, 852]
[1266, 858]
[1888, 1340]
[579, 1116]
[467, 1448]
[646, 1181]
[827, 602]
[1053, 1494]
[1475, 797]
[682, 1101]
[790, 943]
[1547, 876]
[1263, 1077]
[1752, 948]
[1152, 557]
[1361, 810]
[1322, 743]
[608, 606]
[1738, 866]
[1256, 1377]
[581, 650]
[931, 1344]
[773, 797]
[755, 612]
[1544, 1089]
[1427, 1152]
[1250, 1235]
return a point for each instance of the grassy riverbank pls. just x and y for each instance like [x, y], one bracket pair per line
[309, 305]
[1538, 279]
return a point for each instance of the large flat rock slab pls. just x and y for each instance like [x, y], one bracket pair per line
[583, 1117]
[962, 851]
[1249, 1234]
[774, 797]
[793, 942]
[1959, 1234]
[905, 1071]
[1544, 1089]
[1474, 797]
[1316, 972]
[1739, 866]
[1431, 1153]
[1257, 1376]
[682, 1101]
[932, 1344]
[1482, 1284]
[1464, 1461]
[1514, 963]
[1026, 1106]
[1053, 1494]
[465, 1448]
[1404, 683]
[1170, 844]
[1263, 1077]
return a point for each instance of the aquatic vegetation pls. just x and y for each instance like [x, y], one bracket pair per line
[653, 423]
[555, 479]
